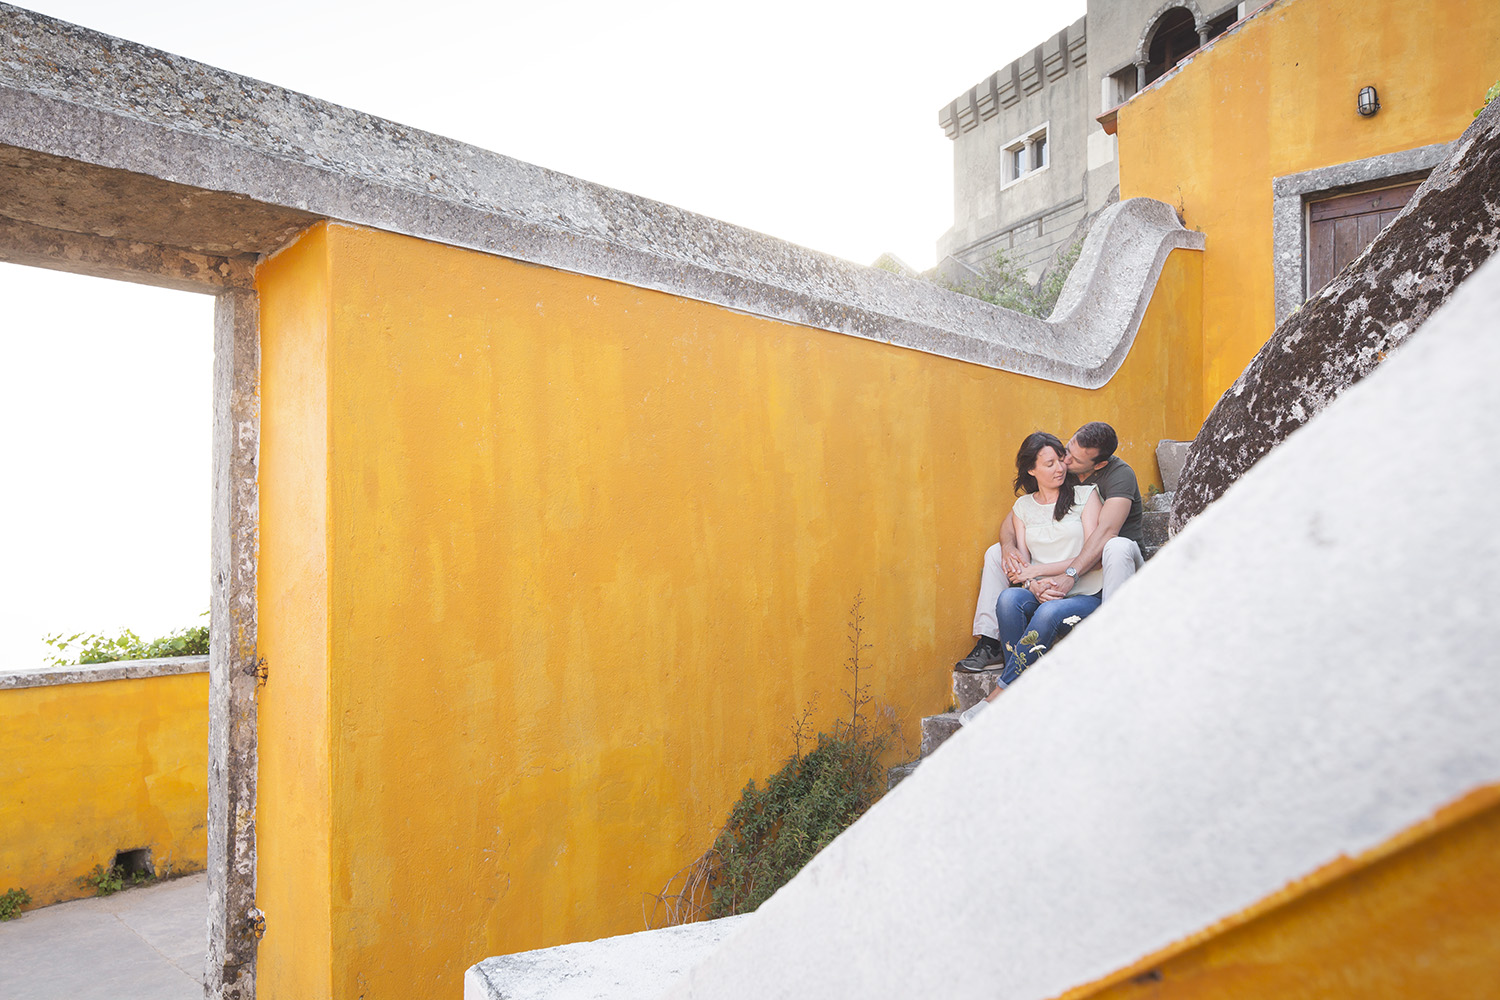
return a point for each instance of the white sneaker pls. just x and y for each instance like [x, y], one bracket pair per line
[973, 712]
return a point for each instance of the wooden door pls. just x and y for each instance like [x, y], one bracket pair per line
[1339, 229]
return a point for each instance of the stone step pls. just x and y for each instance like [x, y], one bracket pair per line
[1171, 456]
[899, 773]
[936, 729]
[1154, 518]
[969, 689]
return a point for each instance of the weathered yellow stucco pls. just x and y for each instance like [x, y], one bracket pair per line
[550, 563]
[1416, 917]
[293, 825]
[1277, 96]
[94, 768]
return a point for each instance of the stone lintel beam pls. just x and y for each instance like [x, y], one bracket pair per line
[126, 260]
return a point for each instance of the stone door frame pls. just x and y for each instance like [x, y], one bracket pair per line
[1291, 193]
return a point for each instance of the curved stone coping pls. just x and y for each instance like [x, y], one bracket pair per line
[117, 670]
[636, 966]
[1207, 739]
[73, 93]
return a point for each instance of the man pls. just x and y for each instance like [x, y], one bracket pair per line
[1116, 543]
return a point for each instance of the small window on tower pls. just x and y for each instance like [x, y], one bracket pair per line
[1026, 154]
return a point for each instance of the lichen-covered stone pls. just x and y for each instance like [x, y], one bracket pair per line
[1449, 228]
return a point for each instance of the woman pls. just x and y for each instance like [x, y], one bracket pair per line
[1053, 515]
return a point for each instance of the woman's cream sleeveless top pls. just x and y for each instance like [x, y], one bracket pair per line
[1051, 541]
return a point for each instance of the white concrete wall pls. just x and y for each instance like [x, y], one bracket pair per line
[1306, 671]
[626, 967]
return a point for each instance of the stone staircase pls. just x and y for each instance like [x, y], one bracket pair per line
[1157, 510]
[936, 729]
[971, 688]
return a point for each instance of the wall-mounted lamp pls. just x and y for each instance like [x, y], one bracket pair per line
[1369, 102]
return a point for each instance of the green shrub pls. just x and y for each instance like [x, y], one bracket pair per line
[1489, 95]
[1046, 295]
[774, 831]
[1002, 281]
[11, 902]
[93, 647]
[830, 780]
[104, 881]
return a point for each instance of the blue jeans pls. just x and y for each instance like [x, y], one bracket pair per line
[1020, 613]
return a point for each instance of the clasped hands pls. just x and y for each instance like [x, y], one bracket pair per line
[1043, 588]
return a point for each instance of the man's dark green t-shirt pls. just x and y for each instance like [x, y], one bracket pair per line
[1117, 479]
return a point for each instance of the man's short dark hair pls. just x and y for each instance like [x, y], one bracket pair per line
[1099, 437]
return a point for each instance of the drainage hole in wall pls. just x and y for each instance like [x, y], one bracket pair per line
[136, 861]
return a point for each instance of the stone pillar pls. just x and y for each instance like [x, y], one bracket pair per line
[1140, 76]
[232, 924]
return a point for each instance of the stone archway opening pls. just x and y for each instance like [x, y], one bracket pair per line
[1173, 37]
[71, 215]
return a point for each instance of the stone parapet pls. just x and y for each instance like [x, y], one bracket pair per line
[116, 111]
[94, 672]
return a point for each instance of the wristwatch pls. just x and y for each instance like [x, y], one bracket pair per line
[1071, 572]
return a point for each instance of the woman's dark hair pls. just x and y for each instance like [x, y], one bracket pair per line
[1026, 461]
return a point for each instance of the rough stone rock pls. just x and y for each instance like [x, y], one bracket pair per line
[1449, 228]
[1154, 531]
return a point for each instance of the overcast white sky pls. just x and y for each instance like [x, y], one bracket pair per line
[814, 122]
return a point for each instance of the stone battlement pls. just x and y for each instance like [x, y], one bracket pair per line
[1064, 52]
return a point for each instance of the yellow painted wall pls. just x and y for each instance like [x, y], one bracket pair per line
[1278, 97]
[1418, 917]
[550, 563]
[293, 825]
[90, 769]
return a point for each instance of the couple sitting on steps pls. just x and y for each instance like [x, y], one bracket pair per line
[1071, 539]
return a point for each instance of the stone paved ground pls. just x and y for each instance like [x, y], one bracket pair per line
[142, 944]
